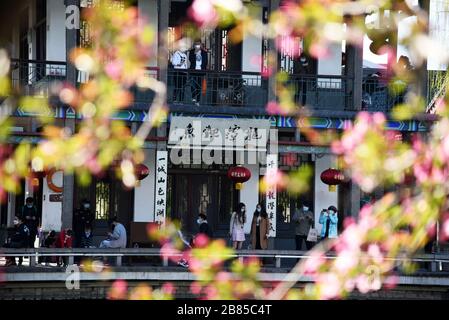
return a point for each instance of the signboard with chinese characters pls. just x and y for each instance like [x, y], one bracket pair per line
[215, 132]
[160, 206]
[272, 165]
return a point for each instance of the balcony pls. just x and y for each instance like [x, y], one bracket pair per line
[323, 92]
[31, 77]
[225, 92]
[381, 95]
[213, 88]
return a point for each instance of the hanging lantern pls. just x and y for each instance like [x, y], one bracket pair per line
[332, 177]
[239, 175]
[141, 171]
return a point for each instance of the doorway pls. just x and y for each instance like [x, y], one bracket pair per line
[194, 192]
[108, 198]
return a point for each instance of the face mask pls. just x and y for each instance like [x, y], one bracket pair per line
[86, 206]
[29, 205]
[305, 208]
[243, 210]
[199, 221]
[259, 209]
[87, 233]
[331, 211]
[16, 222]
[197, 46]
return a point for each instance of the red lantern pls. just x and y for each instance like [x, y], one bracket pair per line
[141, 171]
[239, 175]
[332, 177]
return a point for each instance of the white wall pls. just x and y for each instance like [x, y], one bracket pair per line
[438, 30]
[144, 194]
[51, 211]
[323, 197]
[249, 195]
[148, 9]
[56, 49]
[252, 46]
[331, 64]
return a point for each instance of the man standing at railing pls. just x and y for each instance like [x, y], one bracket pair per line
[303, 67]
[198, 61]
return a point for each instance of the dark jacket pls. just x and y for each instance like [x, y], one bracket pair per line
[82, 217]
[20, 237]
[192, 59]
[205, 229]
[50, 242]
[86, 241]
[305, 65]
[30, 217]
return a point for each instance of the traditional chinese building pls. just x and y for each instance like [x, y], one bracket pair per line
[218, 120]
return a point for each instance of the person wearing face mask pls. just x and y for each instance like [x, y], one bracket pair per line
[198, 61]
[329, 221]
[236, 227]
[82, 217]
[179, 62]
[31, 219]
[304, 220]
[204, 227]
[260, 228]
[19, 239]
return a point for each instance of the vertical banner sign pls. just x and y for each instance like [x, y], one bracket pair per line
[161, 187]
[272, 165]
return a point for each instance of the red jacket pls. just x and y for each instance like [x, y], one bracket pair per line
[62, 241]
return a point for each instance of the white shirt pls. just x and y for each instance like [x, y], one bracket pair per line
[179, 60]
[199, 60]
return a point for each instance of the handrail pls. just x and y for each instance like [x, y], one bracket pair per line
[38, 61]
[286, 254]
[237, 73]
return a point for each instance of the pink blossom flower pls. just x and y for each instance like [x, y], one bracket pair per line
[195, 288]
[223, 276]
[114, 69]
[289, 44]
[169, 252]
[445, 229]
[391, 282]
[168, 288]
[314, 262]
[319, 51]
[345, 261]
[330, 286]
[375, 253]
[118, 290]
[275, 108]
[201, 241]
[203, 12]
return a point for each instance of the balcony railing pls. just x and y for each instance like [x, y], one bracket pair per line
[144, 96]
[212, 88]
[321, 91]
[33, 77]
[380, 94]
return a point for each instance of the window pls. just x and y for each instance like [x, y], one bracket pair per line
[102, 195]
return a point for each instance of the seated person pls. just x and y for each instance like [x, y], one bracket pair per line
[19, 239]
[87, 237]
[116, 239]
